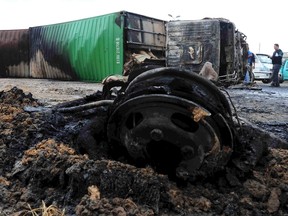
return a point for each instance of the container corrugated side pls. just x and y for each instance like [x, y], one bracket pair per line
[14, 53]
[86, 50]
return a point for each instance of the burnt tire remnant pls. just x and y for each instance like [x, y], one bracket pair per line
[175, 121]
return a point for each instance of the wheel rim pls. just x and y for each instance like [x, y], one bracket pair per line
[174, 120]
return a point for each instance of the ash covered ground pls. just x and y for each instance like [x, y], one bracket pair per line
[40, 161]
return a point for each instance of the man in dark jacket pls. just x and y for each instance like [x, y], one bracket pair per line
[251, 63]
[277, 62]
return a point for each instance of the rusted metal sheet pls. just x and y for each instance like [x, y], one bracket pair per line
[14, 53]
[192, 43]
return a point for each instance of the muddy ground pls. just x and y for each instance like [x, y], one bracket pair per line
[40, 161]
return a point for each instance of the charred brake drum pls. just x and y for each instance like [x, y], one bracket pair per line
[175, 121]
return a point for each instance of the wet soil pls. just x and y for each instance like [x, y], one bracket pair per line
[267, 108]
[40, 161]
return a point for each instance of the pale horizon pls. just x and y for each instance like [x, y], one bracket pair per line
[262, 22]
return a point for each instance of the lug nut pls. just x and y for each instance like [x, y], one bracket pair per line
[156, 134]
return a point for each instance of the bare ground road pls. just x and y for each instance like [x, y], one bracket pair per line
[51, 92]
[268, 107]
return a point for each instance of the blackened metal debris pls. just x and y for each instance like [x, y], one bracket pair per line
[176, 121]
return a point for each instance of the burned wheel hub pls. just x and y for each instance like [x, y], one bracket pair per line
[160, 124]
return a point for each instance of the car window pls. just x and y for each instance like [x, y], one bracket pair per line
[264, 59]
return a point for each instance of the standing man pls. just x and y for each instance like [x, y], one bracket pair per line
[251, 63]
[277, 62]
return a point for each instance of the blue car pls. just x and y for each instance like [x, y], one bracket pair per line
[283, 73]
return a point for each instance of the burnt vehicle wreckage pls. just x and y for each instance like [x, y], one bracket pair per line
[175, 121]
[162, 113]
[165, 115]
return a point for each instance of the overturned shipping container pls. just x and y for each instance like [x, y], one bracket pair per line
[14, 53]
[93, 48]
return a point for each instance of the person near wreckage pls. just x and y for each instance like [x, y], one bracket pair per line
[277, 62]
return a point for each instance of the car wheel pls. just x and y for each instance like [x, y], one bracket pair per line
[252, 78]
[266, 81]
[281, 80]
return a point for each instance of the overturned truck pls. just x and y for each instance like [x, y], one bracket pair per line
[192, 43]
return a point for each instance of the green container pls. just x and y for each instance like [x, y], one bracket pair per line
[93, 48]
[87, 50]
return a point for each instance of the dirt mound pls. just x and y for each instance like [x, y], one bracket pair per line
[39, 161]
[18, 129]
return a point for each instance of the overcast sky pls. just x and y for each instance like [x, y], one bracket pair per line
[262, 21]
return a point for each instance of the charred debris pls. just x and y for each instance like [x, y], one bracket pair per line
[177, 122]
